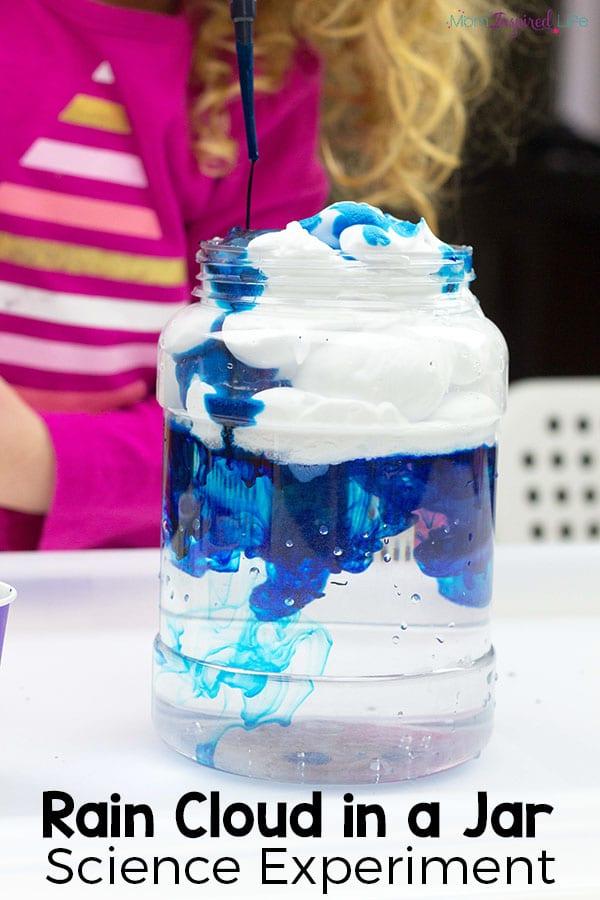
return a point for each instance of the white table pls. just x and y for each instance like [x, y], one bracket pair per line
[74, 708]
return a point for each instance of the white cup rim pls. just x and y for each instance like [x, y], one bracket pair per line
[7, 594]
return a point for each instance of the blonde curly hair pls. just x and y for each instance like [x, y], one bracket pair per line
[399, 81]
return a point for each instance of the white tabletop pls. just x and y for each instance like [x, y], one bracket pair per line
[74, 708]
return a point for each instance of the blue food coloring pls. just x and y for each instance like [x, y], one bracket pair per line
[349, 214]
[402, 226]
[225, 506]
[311, 223]
[234, 282]
[457, 268]
[234, 287]
[345, 214]
[246, 505]
[375, 236]
[235, 383]
[329, 225]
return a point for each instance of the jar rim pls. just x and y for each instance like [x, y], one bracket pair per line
[462, 254]
[229, 275]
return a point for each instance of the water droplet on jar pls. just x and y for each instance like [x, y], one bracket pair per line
[186, 598]
[255, 570]
[289, 601]
[439, 639]
[230, 366]
[365, 534]
[368, 554]
[416, 598]
[395, 638]
[289, 543]
[337, 551]
[323, 529]
[386, 541]
[172, 595]
[387, 557]
[451, 624]
[403, 626]
[375, 765]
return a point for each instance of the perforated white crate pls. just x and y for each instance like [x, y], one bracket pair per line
[549, 463]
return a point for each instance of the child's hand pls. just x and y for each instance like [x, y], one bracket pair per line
[27, 463]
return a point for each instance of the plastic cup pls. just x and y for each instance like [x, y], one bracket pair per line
[7, 595]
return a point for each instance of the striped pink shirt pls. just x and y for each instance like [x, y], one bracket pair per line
[101, 209]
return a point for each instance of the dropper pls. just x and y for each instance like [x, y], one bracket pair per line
[243, 13]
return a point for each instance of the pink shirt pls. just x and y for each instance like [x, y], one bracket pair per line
[101, 210]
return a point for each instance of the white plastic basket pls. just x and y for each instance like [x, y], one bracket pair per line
[549, 462]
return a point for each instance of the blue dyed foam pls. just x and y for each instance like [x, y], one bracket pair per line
[459, 267]
[402, 226]
[350, 213]
[311, 223]
[328, 226]
[375, 236]
[234, 382]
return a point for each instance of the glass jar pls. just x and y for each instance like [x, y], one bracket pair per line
[330, 466]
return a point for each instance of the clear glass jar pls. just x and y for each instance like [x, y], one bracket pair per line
[330, 465]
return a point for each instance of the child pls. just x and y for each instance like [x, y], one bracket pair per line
[115, 162]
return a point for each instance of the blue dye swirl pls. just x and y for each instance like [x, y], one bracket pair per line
[307, 524]
[375, 236]
[402, 226]
[329, 225]
[307, 529]
[234, 282]
[346, 214]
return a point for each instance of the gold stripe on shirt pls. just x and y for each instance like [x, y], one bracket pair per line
[95, 112]
[94, 262]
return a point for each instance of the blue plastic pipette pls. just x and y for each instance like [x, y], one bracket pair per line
[243, 13]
